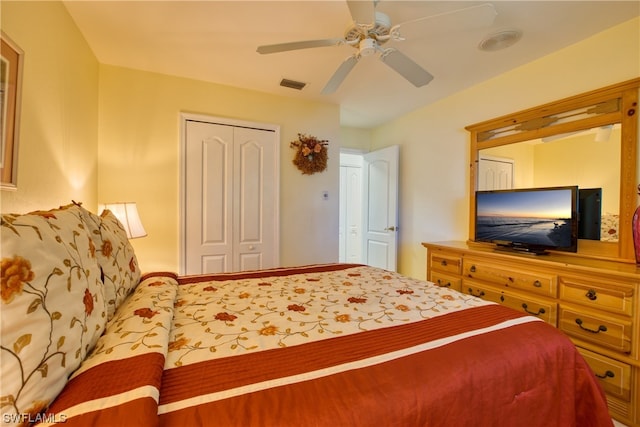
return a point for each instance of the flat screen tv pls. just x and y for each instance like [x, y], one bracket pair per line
[590, 213]
[532, 220]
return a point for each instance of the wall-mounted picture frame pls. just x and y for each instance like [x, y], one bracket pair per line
[11, 61]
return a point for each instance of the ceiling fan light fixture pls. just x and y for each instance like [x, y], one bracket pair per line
[499, 40]
[379, 29]
[368, 47]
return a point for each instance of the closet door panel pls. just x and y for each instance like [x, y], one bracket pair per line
[254, 202]
[208, 225]
[215, 191]
[249, 193]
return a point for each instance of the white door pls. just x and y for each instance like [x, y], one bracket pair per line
[254, 202]
[208, 191]
[380, 207]
[495, 173]
[230, 200]
[350, 224]
[342, 220]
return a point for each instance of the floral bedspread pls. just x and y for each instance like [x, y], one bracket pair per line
[331, 344]
[229, 317]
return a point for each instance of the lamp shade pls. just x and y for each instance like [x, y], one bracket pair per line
[127, 214]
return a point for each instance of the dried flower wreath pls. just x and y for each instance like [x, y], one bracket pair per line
[311, 154]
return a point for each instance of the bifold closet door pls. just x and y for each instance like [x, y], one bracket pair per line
[254, 200]
[230, 198]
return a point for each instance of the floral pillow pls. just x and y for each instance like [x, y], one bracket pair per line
[116, 257]
[52, 308]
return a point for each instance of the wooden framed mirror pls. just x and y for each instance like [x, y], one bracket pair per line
[612, 109]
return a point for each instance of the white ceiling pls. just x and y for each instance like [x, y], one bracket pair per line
[216, 41]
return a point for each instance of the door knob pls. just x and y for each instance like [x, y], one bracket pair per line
[392, 228]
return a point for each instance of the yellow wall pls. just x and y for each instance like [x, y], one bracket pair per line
[583, 161]
[434, 180]
[58, 140]
[355, 138]
[139, 159]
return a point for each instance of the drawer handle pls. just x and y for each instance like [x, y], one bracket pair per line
[591, 294]
[443, 263]
[537, 284]
[446, 285]
[607, 374]
[601, 328]
[473, 269]
[540, 311]
[479, 294]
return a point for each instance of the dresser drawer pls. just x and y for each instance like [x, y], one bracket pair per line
[515, 277]
[614, 376]
[605, 294]
[448, 263]
[547, 311]
[607, 331]
[446, 281]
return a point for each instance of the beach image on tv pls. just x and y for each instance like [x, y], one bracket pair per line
[533, 217]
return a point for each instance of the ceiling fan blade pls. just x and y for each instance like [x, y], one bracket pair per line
[362, 11]
[405, 66]
[283, 47]
[340, 74]
[468, 18]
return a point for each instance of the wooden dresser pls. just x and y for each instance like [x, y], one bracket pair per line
[594, 302]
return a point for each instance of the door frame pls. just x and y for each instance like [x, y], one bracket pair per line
[184, 118]
[363, 239]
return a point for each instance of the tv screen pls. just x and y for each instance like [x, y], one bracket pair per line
[532, 219]
[589, 213]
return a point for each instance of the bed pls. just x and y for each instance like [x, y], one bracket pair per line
[316, 345]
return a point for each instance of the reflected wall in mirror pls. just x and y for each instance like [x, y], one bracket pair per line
[589, 159]
[589, 140]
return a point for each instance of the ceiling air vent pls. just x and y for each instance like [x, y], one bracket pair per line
[292, 84]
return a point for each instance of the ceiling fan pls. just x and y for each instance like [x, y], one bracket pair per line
[372, 29]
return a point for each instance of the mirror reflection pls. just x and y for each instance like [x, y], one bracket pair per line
[594, 166]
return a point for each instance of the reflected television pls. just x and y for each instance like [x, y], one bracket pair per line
[532, 220]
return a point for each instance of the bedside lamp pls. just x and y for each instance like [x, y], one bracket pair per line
[127, 214]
